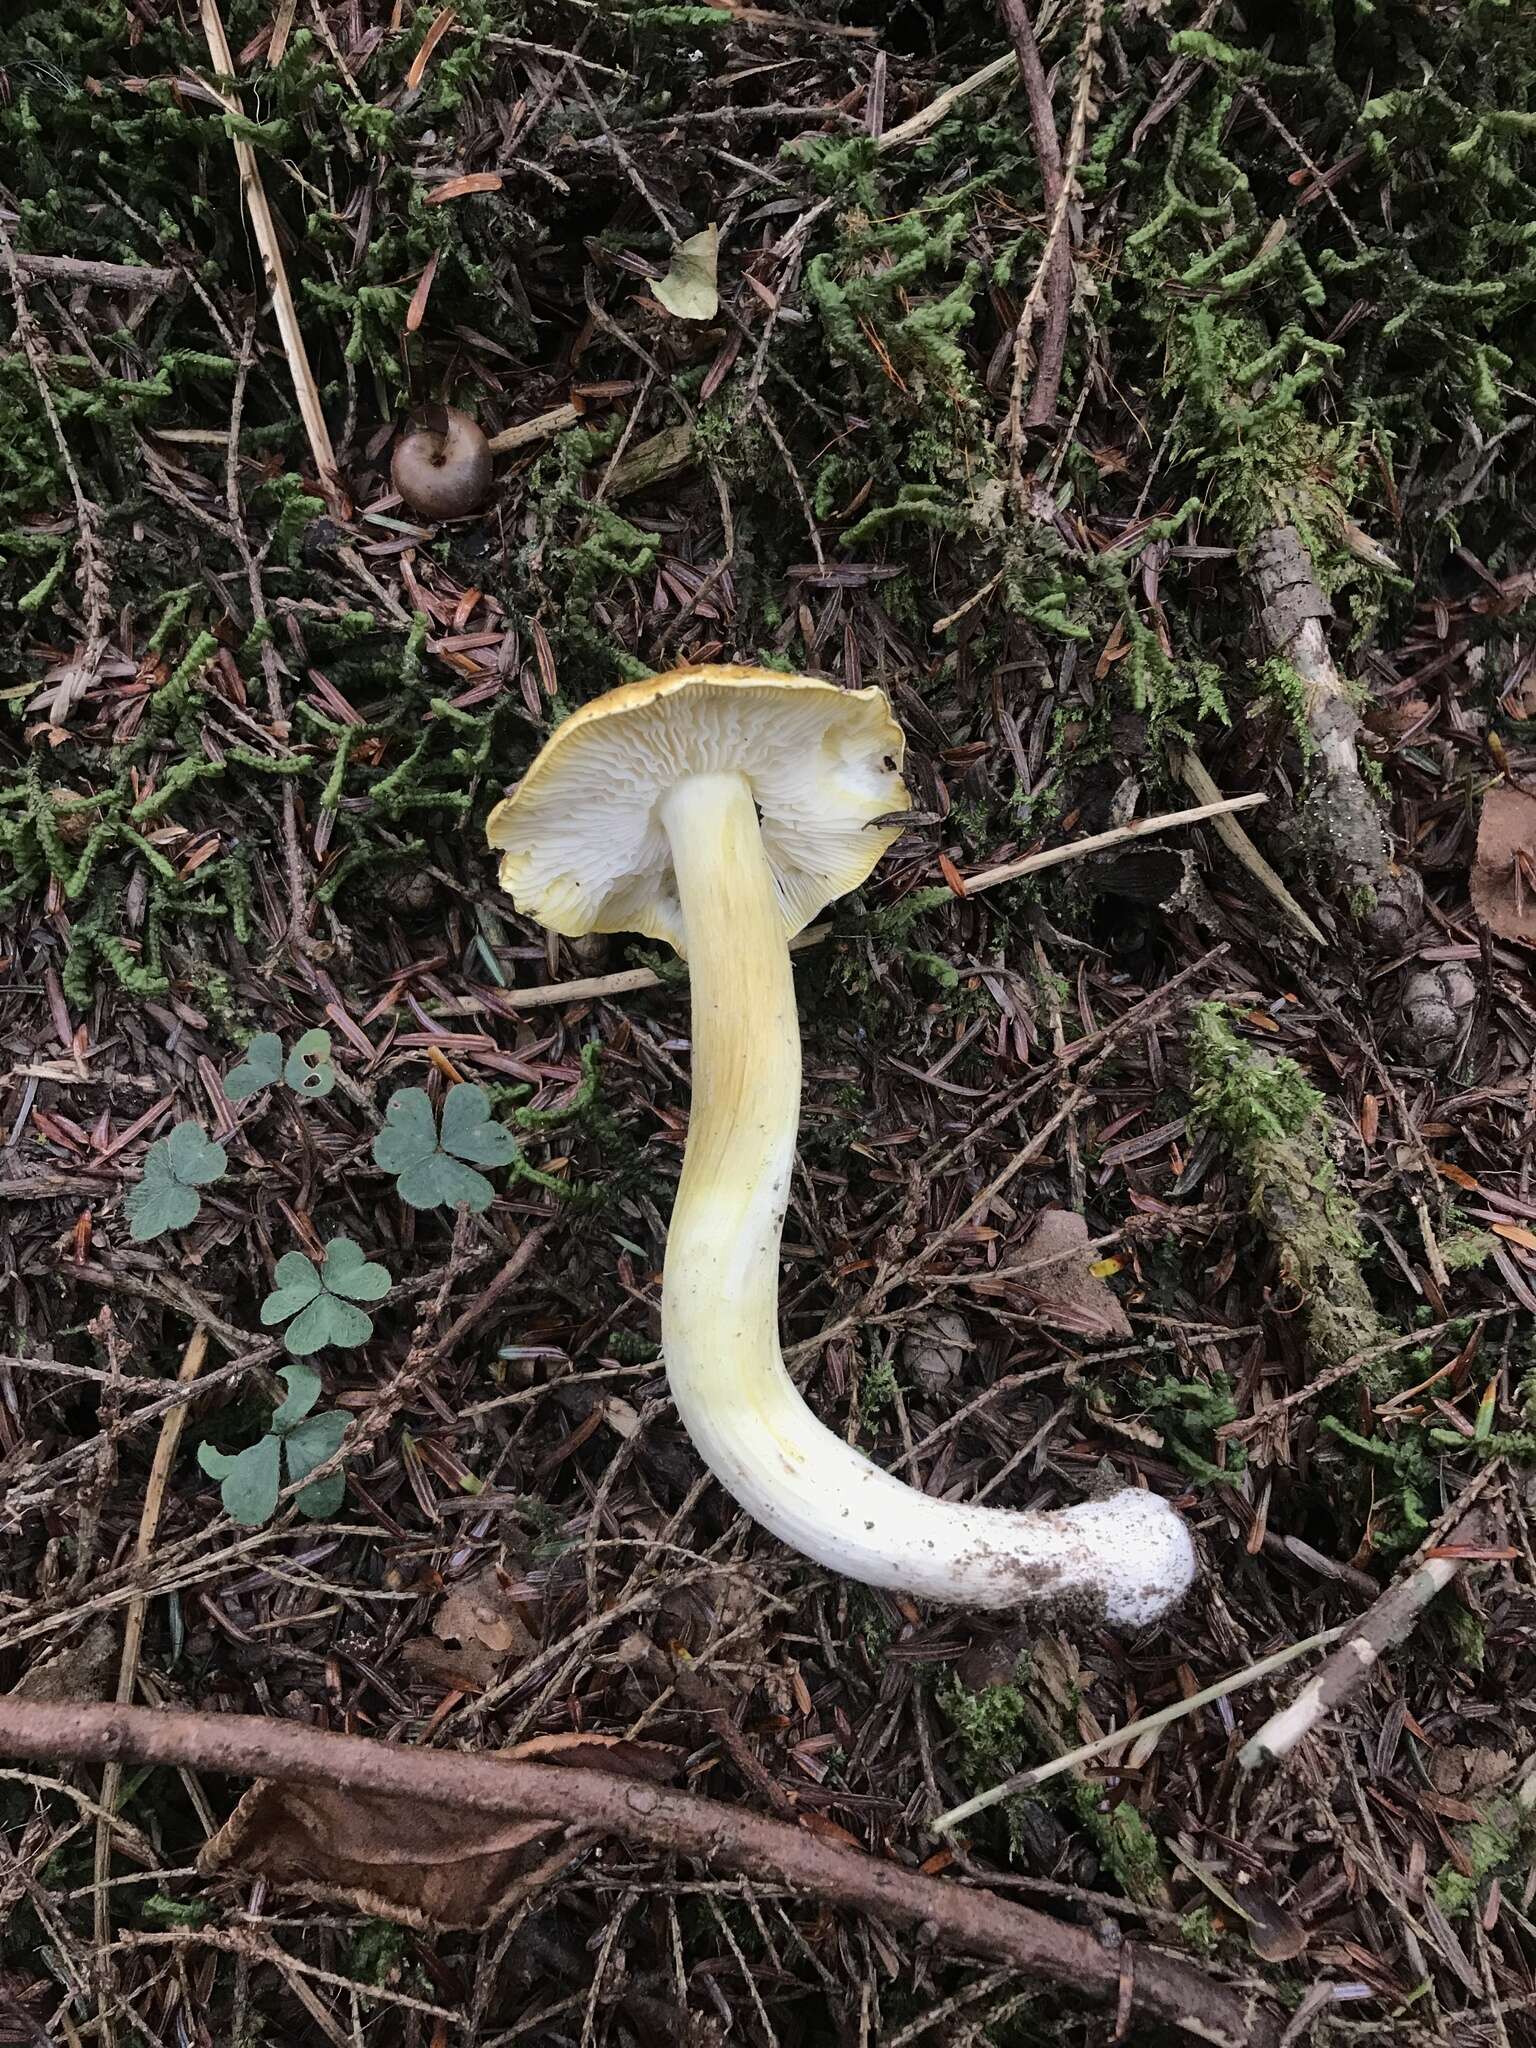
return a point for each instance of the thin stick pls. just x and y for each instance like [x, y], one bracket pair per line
[265, 231]
[598, 987]
[82, 671]
[970, 1921]
[111, 277]
[1193, 771]
[1385, 1624]
[133, 1643]
[939, 108]
[540, 428]
[1118, 1737]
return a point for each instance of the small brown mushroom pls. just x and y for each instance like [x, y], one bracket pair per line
[442, 464]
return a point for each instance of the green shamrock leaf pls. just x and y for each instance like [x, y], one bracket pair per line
[435, 1169]
[303, 1384]
[322, 1303]
[165, 1196]
[309, 1445]
[309, 1070]
[248, 1481]
[262, 1065]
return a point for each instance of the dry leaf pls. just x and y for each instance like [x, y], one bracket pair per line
[657, 1762]
[475, 1630]
[1274, 1933]
[429, 1866]
[1065, 1285]
[689, 290]
[85, 1669]
[1504, 873]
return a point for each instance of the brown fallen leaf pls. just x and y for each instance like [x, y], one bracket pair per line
[83, 1670]
[475, 1630]
[427, 1866]
[1504, 873]
[1070, 1294]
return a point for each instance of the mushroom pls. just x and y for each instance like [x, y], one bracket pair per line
[442, 464]
[720, 809]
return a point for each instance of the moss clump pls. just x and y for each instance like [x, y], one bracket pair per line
[1501, 1838]
[1274, 1124]
[999, 1728]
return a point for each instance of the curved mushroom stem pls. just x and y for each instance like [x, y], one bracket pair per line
[1131, 1555]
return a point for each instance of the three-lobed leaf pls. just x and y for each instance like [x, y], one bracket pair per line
[165, 1196]
[250, 1480]
[307, 1069]
[261, 1066]
[434, 1167]
[322, 1301]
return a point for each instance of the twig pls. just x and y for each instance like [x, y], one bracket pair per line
[972, 1922]
[939, 108]
[133, 1642]
[1117, 1738]
[1052, 283]
[630, 980]
[112, 277]
[265, 231]
[541, 428]
[1193, 772]
[1379, 1629]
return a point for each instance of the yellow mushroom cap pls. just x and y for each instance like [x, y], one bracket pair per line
[582, 844]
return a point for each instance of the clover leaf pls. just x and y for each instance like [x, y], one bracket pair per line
[249, 1480]
[322, 1303]
[435, 1167]
[309, 1070]
[165, 1196]
[262, 1065]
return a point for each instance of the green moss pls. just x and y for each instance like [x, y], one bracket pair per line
[1272, 1121]
[1500, 1840]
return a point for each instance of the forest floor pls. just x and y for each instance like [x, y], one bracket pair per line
[1143, 397]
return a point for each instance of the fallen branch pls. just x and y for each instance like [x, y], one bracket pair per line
[1345, 819]
[632, 979]
[528, 433]
[971, 1922]
[111, 277]
[941, 105]
[1052, 284]
[1381, 1628]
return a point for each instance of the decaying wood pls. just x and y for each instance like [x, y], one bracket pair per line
[1342, 815]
